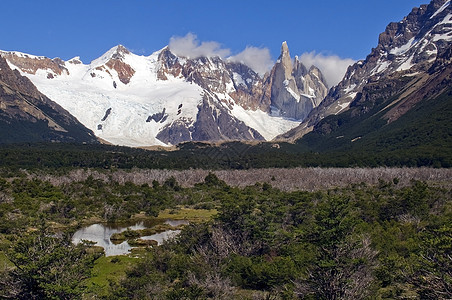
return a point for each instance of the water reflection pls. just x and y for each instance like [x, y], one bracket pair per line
[162, 236]
[101, 233]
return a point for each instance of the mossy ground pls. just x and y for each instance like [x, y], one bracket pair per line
[189, 214]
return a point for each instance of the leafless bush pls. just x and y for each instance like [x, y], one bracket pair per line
[215, 286]
[223, 243]
[5, 198]
[309, 179]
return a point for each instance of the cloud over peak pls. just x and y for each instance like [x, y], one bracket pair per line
[189, 46]
[258, 59]
[332, 66]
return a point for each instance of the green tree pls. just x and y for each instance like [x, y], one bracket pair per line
[343, 266]
[46, 267]
[433, 274]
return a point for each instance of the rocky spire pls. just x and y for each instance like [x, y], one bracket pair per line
[294, 90]
[285, 60]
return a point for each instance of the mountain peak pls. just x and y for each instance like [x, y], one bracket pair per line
[294, 92]
[121, 50]
[285, 60]
[117, 52]
[284, 48]
[285, 54]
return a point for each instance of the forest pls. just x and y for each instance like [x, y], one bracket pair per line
[372, 234]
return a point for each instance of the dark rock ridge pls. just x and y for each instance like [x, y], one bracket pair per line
[416, 47]
[107, 113]
[26, 115]
[158, 117]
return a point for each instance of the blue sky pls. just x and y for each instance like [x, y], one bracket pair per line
[88, 28]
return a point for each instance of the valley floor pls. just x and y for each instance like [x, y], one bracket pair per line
[302, 233]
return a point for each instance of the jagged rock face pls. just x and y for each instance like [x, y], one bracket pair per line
[248, 87]
[289, 90]
[31, 64]
[416, 45]
[213, 123]
[28, 116]
[225, 84]
[236, 80]
[210, 73]
[295, 91]
[125, 72]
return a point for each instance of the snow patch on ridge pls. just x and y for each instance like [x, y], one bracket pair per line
[441, 9]
[404, 48]
[293, 94]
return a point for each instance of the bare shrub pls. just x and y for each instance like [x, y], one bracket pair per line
[309, 179]
[215, 286]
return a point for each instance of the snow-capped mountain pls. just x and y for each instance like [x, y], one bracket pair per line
[410, 48]
[26, 115]
[163, 99]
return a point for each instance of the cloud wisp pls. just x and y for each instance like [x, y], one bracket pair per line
[332, 66]
[189, 46]
[258, 59]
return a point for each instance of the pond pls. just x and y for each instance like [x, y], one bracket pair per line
[101, 233]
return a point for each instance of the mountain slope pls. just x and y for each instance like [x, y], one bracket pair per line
[163, 99]
[26, 115]
[415, 47]
[405, 114]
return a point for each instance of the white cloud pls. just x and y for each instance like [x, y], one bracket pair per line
[258, 59]
[332, 66]
[189, 46]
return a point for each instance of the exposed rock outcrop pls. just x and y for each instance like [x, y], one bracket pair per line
[31, 64]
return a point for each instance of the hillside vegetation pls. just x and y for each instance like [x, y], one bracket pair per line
[381, 240]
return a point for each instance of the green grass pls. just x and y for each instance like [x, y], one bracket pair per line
[106, 270]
